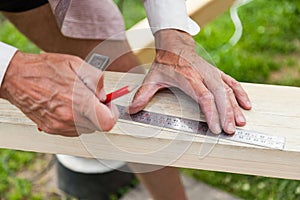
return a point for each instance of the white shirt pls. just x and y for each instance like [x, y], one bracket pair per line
[169, 14]
[6, 54]
[161, 14]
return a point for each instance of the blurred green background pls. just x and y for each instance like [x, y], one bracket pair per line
[268, 52]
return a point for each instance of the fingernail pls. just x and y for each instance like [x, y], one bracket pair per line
[102, 95]
[129, 109]
[248, 103]
[230, 128]
[241, 119]
[39, 129]
[217, 129]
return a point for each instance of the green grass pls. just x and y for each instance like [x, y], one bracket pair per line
[249, 187]
[12, 187]
[269, 44]
[132, 10]
[9, 35]
[270, 29]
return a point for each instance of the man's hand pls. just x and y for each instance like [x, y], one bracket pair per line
[177, 65]
[60, 93]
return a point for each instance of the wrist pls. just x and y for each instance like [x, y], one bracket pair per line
[172, 38]
[171, 44]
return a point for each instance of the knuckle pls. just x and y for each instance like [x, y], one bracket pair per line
[229, 114]
[229, 91]
[76, 58]
[243, 95]
[68, 117]
[236, 85]
[58, 126]
[141, 102]
[54, 126]
[219, 88]
[65, 114]
[206, 96]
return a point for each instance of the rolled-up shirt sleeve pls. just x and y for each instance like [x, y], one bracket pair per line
[6, 54]
[169, 14]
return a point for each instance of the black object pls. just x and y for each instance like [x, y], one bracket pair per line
[20, 5]
[92, 186]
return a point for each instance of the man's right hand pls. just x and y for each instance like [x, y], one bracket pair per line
[60, 93]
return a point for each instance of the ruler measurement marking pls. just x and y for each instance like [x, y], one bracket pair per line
[201, 128]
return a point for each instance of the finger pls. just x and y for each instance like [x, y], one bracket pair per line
[45, 128]
[86, 104]
[72, 119]
[102, 116]
[143, 96]
[71, 131]
[48, 130]
[54, 121]
[61, 122]
[84, 125]
[226, 112]
[208, 107]
[90, 76]
[238, 91]
[239, 117]
[55, 128]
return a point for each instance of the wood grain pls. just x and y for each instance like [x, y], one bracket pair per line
[275, 111]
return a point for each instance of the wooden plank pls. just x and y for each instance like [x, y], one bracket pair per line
[201, 11]
[275, 111]
[205, 11]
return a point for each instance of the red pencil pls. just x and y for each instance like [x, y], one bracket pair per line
[118, 93]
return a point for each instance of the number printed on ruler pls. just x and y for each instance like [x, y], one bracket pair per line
[197, 127]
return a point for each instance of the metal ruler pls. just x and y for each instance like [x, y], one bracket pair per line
[198, 127]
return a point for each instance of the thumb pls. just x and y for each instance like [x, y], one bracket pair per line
[143, 96]
[90, 76]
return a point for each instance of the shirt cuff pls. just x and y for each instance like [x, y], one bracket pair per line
[169, 14]
[6, 54]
